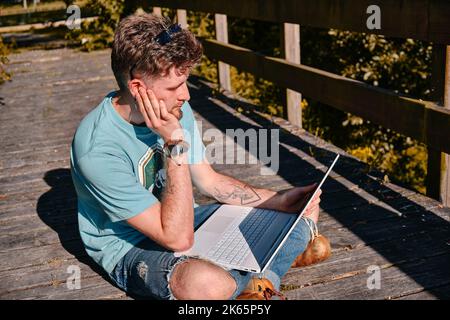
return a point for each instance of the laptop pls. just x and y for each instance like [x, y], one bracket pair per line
[246, 238]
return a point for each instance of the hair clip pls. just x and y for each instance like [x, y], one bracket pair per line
[165, 36]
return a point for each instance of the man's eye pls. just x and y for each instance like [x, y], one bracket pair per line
[175, 88]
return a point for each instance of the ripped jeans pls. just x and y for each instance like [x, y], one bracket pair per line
[146, 269]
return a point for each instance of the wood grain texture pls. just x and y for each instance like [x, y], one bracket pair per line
[417, 19]
[369, 221]
[421, 120]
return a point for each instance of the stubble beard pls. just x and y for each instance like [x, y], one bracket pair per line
[177, 112]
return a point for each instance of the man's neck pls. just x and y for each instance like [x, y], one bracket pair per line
[127, 109]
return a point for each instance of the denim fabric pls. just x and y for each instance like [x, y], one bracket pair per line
[146, 269]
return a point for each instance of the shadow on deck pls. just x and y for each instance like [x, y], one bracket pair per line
[372, 224]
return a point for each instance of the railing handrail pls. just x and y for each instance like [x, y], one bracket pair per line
[418, 19]
[425, 20]
[422, 120]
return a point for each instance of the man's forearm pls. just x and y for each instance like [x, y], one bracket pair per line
[229, 190]
[177, 212]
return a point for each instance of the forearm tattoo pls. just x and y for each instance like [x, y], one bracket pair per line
[245, 193]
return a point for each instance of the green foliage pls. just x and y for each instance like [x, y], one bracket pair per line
[256, 35]
[202, 25]
[397, 64]
[68, 2]
[263, 37]
[99, 33]
[4, 51]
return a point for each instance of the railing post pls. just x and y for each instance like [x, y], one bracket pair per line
[222, 35]
[438, 170]
[182, 18]
[291, 35]
[157, 11]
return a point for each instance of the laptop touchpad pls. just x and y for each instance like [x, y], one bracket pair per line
[219, 225]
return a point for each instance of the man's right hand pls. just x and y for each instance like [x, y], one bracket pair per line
[157, 117]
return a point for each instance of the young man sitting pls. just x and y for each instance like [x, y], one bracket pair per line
[135, 199]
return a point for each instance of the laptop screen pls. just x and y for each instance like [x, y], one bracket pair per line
[316, 189]
[310, 197]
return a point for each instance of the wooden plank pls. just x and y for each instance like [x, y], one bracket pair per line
[24, 258]
[35, 145]
[296, 135]
[21, 176]
[47, 196]
[347, 263]
[395, 282]
[38, 237]
[182, 18]
[34, 158]
[221, 26]
[291, 37]
[96, 288]
[351, 216]
[430, 247]
[307, 172]
[442, 212]
[361, 233]
[443, 292]
[421, 120]
[418, 19]
[16, 204]
[47, 219]
[157, 11]
[445, 168]
[40, 25]
[54, 272]
[438, 165]
[345, 230]
[33, 240]
[39, 71]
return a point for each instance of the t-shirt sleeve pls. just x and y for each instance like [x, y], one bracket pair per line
[111, 181]
[192, 135]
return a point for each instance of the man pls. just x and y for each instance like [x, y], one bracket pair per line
[134, 159]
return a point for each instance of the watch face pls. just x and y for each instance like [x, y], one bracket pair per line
[176, 150]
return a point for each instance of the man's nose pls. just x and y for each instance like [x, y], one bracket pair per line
[184, 93]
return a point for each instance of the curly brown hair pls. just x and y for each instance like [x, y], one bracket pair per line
[135, 49]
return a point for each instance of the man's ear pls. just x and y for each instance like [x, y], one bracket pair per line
[134, 85]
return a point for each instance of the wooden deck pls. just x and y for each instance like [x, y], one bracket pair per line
[369, 222]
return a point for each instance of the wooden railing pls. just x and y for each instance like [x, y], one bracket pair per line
[426, 121]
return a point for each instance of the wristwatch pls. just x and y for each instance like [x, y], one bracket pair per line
[174, 148]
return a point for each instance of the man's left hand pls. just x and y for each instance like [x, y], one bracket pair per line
[293, 200]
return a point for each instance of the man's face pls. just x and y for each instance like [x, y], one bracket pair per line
[172, 89]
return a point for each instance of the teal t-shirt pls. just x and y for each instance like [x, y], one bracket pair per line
[118, 172]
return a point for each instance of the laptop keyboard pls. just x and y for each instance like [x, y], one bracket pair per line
[238, 239]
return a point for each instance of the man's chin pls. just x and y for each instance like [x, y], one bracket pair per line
[178, 113]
